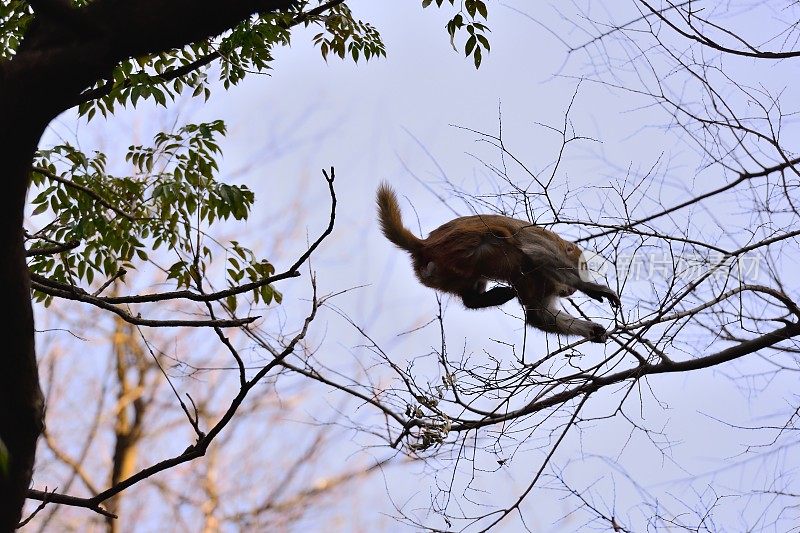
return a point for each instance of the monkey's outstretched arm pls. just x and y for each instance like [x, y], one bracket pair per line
[475, 299]
[549, 261]
[597, 291]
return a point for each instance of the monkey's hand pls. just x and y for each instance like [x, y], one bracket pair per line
[598, 292]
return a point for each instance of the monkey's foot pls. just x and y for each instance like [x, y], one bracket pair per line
[598, 334]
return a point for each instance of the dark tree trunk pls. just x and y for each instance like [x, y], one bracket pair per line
[21, 403]
[35, 86]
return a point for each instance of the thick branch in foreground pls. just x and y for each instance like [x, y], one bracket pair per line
[728, 354]
[197, 64]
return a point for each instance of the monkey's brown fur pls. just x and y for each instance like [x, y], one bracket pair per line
[460, 256]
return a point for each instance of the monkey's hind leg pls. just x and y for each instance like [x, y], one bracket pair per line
[558, 321]
[476, 299]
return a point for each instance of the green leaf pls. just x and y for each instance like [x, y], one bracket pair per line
[482, 9]
[470, 45]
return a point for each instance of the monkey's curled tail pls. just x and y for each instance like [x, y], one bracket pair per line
[392, 221]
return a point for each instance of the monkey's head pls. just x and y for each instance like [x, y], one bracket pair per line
[575, 257]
